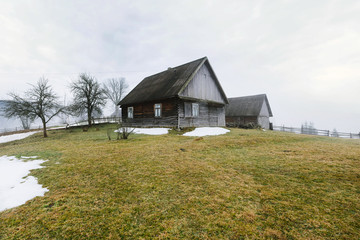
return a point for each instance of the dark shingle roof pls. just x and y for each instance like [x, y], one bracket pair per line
[165, 84]
[247, 106]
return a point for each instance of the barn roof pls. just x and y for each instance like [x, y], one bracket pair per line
[167, 84]
[247, 106]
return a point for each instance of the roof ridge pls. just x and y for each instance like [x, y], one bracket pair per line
[172, 68]
[169, 83]
[257, 95]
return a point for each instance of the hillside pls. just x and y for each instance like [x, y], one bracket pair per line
[245, 184]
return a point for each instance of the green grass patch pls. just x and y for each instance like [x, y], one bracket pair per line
[245, 184]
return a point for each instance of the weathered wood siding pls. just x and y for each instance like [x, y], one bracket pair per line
[144, 114]
[240, 120]
[209, 115]
[264, 112]
[263, 119]
[203, 86]
[264, 122]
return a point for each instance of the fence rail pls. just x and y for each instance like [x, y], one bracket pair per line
[79, 123]
[16, 129]
[318, 132]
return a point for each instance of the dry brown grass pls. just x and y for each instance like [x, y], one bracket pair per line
[246, 184]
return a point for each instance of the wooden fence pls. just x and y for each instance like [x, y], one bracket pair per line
[16, 129]
[79, 123]
[318, 132]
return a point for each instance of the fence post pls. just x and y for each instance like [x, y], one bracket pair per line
[350, 135]
[328, 133]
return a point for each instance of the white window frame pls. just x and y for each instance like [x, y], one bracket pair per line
[130, 111]
[157, 110]
[195, 110]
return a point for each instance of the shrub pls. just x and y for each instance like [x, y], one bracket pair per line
[122, 132]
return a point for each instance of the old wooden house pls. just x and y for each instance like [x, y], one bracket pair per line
[188, 95]
[242, 111]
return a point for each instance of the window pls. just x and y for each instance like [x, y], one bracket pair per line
[157, 109]
[195, 109]
[130, 112]
[187, 109]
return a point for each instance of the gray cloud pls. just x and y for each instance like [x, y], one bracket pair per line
[304, 55]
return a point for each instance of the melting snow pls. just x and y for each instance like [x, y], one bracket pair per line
[15, 190]
[206, 131]
[150, 131]
[198, 132]
[17, 136]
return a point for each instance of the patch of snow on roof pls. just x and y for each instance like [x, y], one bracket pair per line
[206, 131]
[149, 131]
[15, 190]
[17, 136]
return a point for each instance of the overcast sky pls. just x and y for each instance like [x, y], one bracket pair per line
[305, 55]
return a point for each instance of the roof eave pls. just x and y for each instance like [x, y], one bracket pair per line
[201, 100]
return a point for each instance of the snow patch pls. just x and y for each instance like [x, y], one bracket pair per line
[17, 136]
[206, 131]
[149, 131]
[152, 131]
[28, 157]
[16, 187]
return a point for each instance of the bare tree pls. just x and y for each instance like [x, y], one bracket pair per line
[308, 128]
[115, 89]
[335, 133]
[40, 102]
[25, 120]
[89, 97]
[64, 116]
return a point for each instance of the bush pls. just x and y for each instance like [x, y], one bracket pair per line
[121, 131]
[250, 125]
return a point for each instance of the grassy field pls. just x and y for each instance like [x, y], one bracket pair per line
[247, 184]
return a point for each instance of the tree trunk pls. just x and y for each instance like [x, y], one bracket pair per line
[89, 119]
[44, 129]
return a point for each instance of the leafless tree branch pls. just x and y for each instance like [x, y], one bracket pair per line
[89, 97]
[115, 89]
[40, 102]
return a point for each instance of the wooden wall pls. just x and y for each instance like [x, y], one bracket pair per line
[240, 120]
[264, 122]
[209, 116]
[203, 86]
[144, 116]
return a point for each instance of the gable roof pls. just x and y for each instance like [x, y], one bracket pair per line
[247, 106]
[168, 84]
